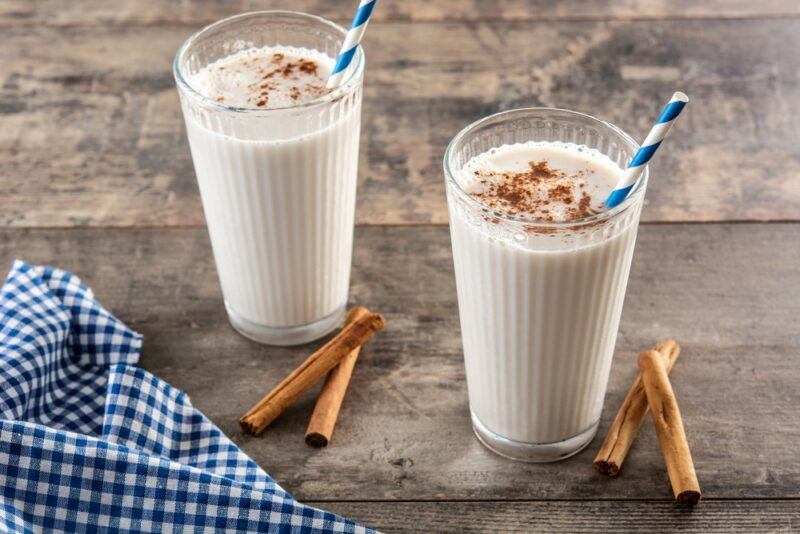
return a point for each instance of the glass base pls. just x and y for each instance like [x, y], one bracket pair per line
[532, 452]
[289, 335]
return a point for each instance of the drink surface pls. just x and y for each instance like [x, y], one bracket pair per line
[265, 78]
[541, 181]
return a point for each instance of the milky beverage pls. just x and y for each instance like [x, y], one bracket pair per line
[539, 305]
[278, 190]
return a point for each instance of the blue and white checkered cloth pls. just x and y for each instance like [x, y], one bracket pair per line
[90, 442]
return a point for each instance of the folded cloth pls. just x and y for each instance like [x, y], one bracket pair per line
[90, 442]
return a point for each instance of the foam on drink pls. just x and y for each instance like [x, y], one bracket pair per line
[541, 181]
[266, 78]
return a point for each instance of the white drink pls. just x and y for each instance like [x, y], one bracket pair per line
[539, 305]
[278, 183]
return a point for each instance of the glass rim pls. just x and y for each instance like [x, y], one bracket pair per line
[349, 84]
[635, 195]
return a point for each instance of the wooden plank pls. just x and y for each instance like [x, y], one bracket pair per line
[583, 516]
[98, 12]
[91, 132]
[729, 293]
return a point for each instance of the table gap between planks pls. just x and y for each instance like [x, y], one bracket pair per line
[98, 179]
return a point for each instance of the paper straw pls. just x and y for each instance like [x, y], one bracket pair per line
[350, 45]
[648, 149]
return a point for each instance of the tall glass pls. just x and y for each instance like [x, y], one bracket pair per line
[539, 303]
[278, 185]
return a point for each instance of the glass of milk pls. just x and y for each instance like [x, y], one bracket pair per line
[276, 158]
[540, 279]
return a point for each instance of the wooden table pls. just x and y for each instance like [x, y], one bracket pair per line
[97, 179]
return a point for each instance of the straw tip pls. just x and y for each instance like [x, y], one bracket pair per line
[680, 96]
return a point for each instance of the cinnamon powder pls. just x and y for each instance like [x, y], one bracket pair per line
[534, 192]
[279, 68]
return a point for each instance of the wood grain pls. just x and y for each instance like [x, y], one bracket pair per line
[584, 516]
[99, 12]
[91, 132]
[730, 294]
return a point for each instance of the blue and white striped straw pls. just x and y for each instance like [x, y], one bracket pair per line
[648, 149]
[350, 45]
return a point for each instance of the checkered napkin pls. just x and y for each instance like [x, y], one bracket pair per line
[90, 442]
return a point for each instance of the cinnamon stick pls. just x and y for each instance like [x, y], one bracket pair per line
[630, 417]
[669, 427]
[329, 401]
[310, 371]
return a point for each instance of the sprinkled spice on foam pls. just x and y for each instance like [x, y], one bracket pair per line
[531, 194]
[260, 78]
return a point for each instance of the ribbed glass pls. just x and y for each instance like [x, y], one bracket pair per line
[278, 185]
[539, 303]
